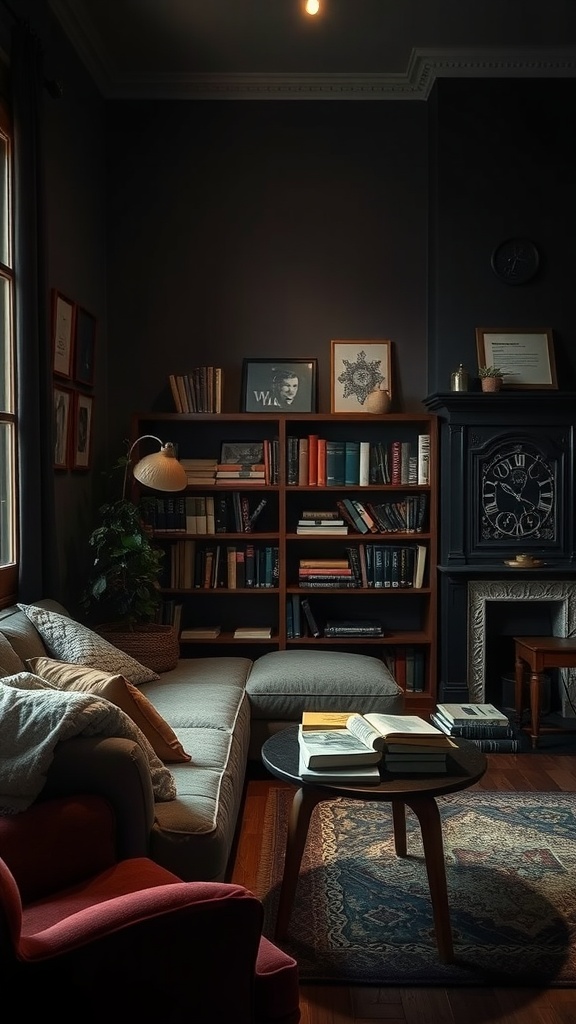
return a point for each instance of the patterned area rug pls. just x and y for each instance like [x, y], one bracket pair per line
[362, 915]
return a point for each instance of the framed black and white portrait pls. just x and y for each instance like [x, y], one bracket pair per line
[279, 385]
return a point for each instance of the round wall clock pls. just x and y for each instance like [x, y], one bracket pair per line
[518, 494]
[516, 260]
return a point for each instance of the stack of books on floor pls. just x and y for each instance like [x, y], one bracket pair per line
[484, 724]
[349, 747]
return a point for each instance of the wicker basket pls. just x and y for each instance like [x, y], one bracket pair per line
[151, 644]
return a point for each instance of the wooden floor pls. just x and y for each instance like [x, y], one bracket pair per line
[341, 1004]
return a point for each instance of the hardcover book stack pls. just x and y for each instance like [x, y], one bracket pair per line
[483, 724]
[314, 522]
[337, 746]
[325, 573]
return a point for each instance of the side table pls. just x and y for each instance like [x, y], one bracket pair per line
[538, 653]
[467, 765]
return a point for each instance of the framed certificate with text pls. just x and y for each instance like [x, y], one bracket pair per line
[525, 356]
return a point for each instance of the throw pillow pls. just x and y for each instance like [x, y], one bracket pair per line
[27, 681]
[70, 641]
[120, 692]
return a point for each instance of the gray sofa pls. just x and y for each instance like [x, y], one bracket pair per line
[221, 709]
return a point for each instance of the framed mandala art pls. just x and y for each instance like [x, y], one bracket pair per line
[358, 368]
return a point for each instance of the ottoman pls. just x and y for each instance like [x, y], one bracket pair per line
[283, 684]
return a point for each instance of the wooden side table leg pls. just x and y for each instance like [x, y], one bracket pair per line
[518, 682]
[303, 804]
[426, 810]
[399, 820]
[535, 680]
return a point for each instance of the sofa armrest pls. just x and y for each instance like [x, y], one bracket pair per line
[113, 768]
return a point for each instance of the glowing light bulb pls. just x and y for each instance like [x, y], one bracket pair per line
[312, 6]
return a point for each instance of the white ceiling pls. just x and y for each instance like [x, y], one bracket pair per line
[357, 49]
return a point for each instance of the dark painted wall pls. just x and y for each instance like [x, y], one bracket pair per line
[505, 167]
[263, 229]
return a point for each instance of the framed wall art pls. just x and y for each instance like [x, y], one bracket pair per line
[276, 385]
[82, 435]
[62, 334]
[525, 355]
[357, 369]
[84, 346]
[63, 401]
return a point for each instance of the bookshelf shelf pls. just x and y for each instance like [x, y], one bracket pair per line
[407, 614]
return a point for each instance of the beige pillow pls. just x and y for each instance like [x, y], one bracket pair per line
[120, 692]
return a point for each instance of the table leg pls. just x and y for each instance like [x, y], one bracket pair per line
[399, 820]
[303, 804]
[426, 810]
[518, 681]
[535, 678]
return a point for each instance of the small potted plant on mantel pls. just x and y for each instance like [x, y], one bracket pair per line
[491, 377]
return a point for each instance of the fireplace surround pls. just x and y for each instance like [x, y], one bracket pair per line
[481, 435]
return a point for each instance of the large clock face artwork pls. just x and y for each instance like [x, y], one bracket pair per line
[518, 494]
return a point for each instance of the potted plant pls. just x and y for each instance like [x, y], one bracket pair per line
[491, 377]
[122, 594]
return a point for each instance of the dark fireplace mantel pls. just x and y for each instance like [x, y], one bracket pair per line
[530, 435]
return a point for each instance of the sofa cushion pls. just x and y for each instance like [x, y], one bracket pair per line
[120, 692]
[70, 641]
[283, 684]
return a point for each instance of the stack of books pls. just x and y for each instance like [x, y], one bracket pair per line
[319, 522]
[199, 471]
[484, 724]
[402, 744]
[247, 472]
[253, 632]
[325, 572]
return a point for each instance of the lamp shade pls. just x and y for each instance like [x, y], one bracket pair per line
[161, 470]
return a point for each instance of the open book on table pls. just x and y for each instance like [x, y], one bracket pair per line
[362, 739]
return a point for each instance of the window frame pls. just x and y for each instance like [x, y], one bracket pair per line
[9, 570]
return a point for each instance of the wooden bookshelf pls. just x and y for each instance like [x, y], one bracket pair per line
[407, 614]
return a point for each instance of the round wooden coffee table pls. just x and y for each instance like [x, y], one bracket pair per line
[467, 764]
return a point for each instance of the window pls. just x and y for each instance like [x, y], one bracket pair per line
[8, 491]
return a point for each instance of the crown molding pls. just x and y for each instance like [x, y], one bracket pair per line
[424, 67]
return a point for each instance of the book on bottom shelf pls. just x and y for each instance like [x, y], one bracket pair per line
[200, 633]
[362, 775]
[253, 632]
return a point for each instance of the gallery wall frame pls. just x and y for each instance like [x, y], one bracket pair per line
[276, 385]
[63, 401]
[84, 346]
[524, 354]
[82, 433]
[63, 320]
[358, 368]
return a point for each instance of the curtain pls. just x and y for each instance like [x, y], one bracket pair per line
[38, 559]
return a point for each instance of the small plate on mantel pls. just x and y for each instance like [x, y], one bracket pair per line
[524, 563]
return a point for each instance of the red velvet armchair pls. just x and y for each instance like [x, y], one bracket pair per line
[94, 938]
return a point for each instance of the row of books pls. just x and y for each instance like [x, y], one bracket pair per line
[313, 460]
[200, 390]
[230, 566]
[369, 566]
[204, 514]
[409, 515]
[407, 663]
[347, 746]
[486, 726]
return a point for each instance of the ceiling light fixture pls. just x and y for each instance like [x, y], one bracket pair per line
[312, 7]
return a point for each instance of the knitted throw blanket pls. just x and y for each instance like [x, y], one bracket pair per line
[33, 721]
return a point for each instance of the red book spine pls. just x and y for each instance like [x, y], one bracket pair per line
[321, 476]
[312, 458]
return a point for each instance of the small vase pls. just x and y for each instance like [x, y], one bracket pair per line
[491, 383]
[378, 401]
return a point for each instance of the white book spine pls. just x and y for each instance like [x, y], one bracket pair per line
[364, 478]
[423, 458]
